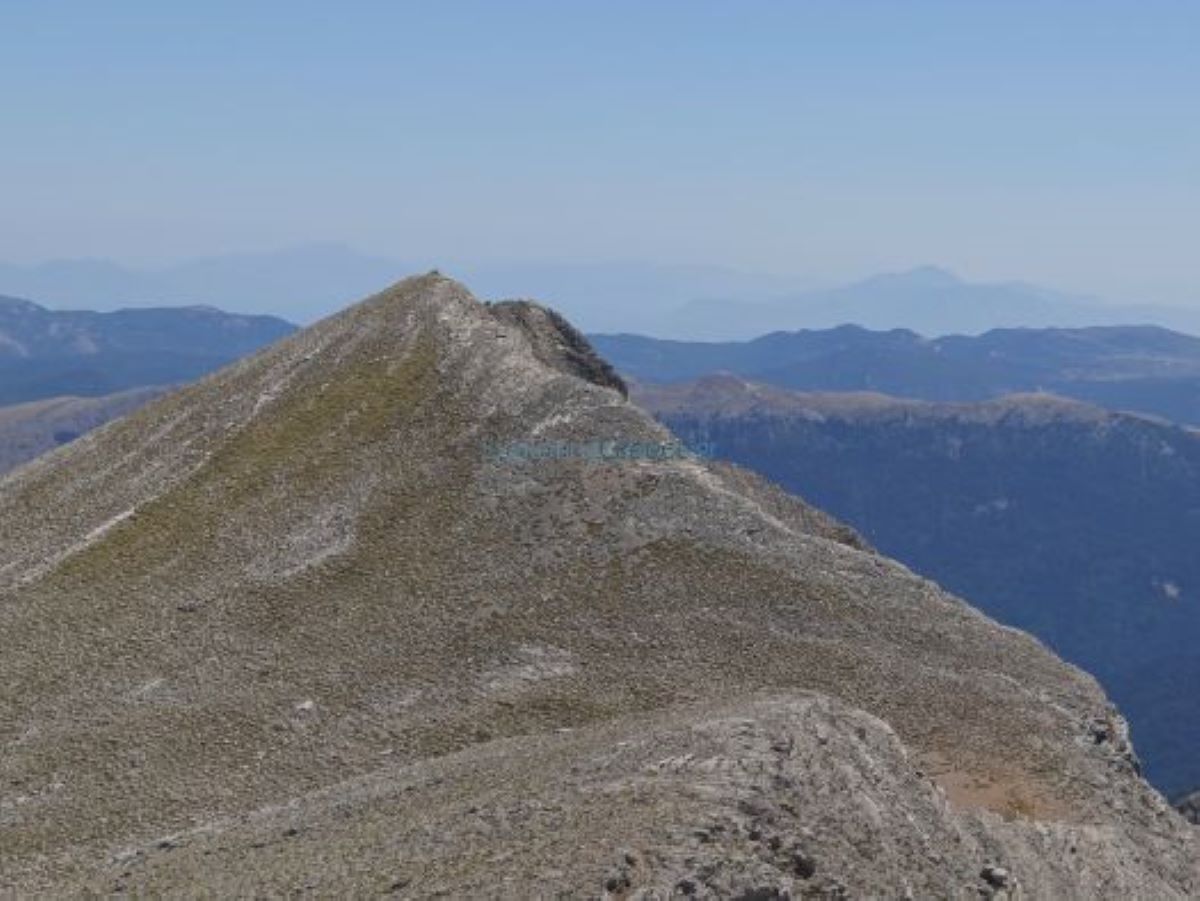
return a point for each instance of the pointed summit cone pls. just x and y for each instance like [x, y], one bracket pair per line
[416, 601]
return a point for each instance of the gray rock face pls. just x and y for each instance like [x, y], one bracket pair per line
[1189, 806]
[295, 629]
[559, 344]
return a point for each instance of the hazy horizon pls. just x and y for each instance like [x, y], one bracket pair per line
[1050, 143]
[697, 302]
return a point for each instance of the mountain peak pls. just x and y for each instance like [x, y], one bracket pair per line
[552, 341]
[17, 305]
[926, 277]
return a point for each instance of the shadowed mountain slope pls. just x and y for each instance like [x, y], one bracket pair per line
[1054, 516]
[293, 628]
[29, 430]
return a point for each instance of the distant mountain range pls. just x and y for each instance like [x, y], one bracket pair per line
[926, 300]
[696, 302]
[307, 282]
[1141, 368]
[48, 353]
[1074, 523]
[300, 283]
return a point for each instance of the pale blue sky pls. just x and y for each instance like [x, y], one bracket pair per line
[1052, 141]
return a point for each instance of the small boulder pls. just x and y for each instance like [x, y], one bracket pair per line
[995, 876]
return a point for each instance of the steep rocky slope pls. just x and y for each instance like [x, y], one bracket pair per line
[29, 430]
[297, 627]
